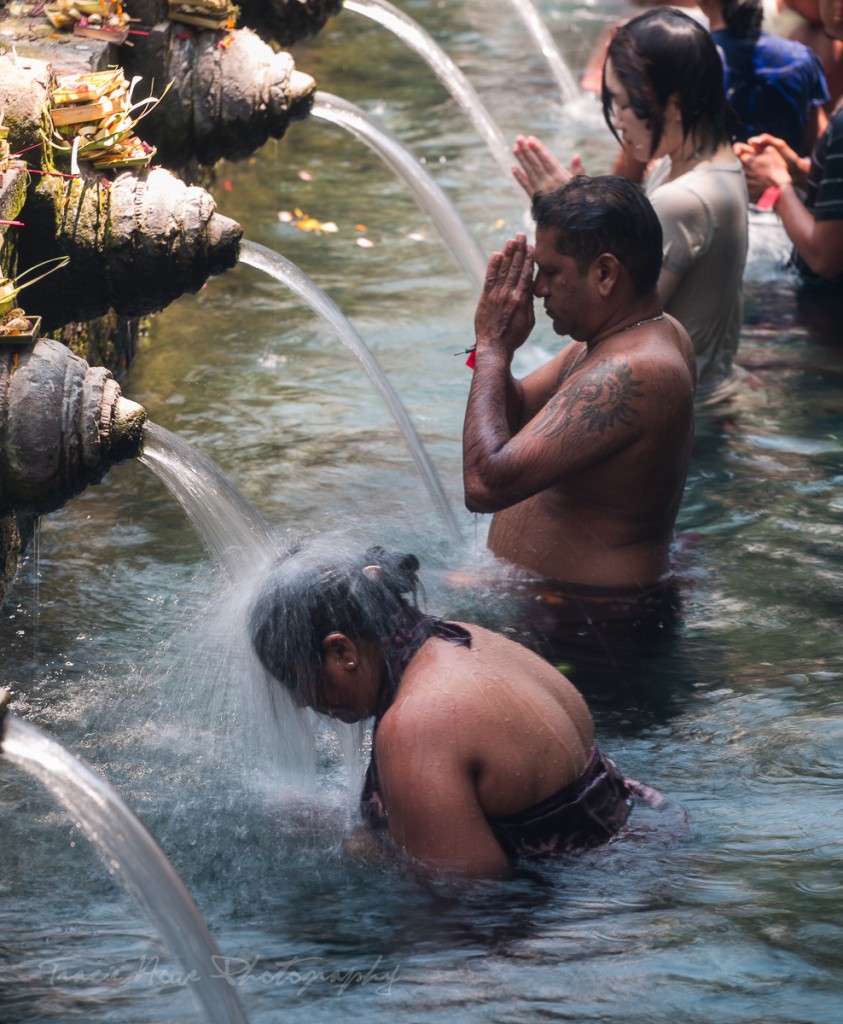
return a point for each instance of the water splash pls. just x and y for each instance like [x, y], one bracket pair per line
[274, 731]
[131, 853]
[272, 263]
[411, 33]
[541, 36]
[233, 531]
[426, 192]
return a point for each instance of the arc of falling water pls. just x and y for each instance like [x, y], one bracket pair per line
[233, 530]
[130, 851]
[541, 36]
[209, 500]
[411, 33]
[272, 263]
[426, 192]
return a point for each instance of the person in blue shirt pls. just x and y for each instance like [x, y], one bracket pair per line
[776, 86]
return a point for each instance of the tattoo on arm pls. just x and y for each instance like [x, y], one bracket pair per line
[600, 399]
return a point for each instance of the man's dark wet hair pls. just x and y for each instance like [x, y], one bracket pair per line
[317, 590]
[590, 216]
[743, 17]
[665, 52]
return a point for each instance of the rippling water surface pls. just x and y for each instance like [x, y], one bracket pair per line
[122, 640]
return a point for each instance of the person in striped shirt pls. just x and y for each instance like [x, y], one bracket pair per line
[807, 193]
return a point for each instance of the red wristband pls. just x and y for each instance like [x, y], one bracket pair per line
[769, 197]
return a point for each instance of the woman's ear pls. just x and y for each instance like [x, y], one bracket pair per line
[342, 649]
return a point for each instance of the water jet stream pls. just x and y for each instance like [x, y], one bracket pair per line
[426, 192]
[131, 853]
[272, 263]
[410, 32]
[541, 36]
[233, 531]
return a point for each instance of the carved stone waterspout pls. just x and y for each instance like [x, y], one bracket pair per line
[63, 424]
[135, 244]
[228, 96]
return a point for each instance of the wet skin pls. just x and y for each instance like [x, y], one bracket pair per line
[472, 733]
[584, 461]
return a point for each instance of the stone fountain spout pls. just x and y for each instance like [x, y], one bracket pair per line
[227, 97]
[63, 424]
[135, 244]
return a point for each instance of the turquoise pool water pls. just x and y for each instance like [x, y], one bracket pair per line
[122, 640]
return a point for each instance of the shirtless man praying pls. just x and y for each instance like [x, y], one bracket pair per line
[584, 461]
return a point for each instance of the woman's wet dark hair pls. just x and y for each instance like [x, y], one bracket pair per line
[314, 591]
[665, 52]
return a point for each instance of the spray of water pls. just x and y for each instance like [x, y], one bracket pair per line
[133, 856]
[426, 192]
[261, 258]
[233, 531]
[411, 33]
[541, 36]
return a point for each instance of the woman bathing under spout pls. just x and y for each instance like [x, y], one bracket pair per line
[481, 751]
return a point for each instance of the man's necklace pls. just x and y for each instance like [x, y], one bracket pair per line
[638, 323]
[581, 358]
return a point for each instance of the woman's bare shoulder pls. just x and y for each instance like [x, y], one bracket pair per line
[453, 679]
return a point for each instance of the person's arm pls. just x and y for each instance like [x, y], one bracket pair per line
[434, 814]
[818, 242]
[502, 323]
[539, 170]
[797, 166]
[595, 414]
[687, 230]
[505, 317]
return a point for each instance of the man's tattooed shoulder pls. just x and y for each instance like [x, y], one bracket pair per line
[600, 398]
